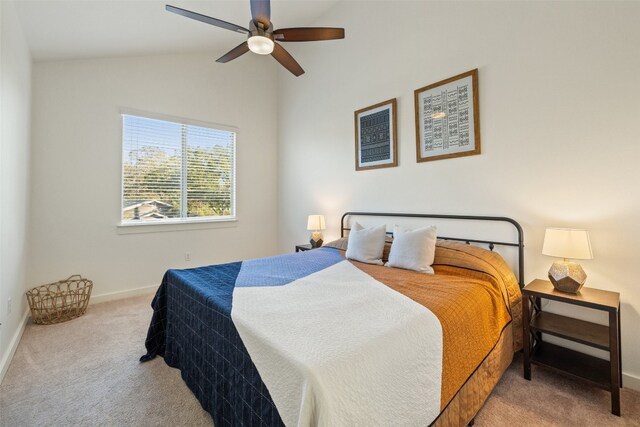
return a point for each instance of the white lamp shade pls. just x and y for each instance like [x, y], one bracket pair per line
[567, 243]
[315, 222]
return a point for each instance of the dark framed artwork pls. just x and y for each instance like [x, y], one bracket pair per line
[376, 136]
[448, 118]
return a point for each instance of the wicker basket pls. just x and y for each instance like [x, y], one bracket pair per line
[60, 301]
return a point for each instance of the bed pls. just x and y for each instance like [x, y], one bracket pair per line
[312, 338]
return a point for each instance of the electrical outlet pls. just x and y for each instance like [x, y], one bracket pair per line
[187, 256]
[9, 305]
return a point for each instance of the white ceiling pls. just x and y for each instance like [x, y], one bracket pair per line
[69, 29]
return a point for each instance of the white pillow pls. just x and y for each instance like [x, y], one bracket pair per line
[413, 249]
[366, 244]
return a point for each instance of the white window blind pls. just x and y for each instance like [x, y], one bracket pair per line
[174, 172]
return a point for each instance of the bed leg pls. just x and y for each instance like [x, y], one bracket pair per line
[472, 422]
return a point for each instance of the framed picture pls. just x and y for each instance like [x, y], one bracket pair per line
[376, 136]
[448, 118]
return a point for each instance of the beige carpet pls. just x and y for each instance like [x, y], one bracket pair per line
[86, 372]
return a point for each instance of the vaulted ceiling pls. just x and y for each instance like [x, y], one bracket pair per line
[70, 29]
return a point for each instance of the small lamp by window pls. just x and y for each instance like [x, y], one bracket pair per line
[315, 223]
[566, 243]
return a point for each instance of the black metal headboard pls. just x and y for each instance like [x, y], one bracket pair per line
[490, 243]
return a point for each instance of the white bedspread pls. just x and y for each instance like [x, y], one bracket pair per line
[338, 348]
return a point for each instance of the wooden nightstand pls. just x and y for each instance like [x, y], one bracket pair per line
[603, 373]
[302, 248]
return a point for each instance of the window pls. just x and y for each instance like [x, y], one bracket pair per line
[176, 172]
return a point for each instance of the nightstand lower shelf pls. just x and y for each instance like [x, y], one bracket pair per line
[573, 364]
[580, 331]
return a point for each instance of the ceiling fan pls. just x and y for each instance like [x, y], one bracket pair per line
[261, 37]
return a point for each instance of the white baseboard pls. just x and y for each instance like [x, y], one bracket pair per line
[13, 345]
[112, 296]
[631, 381]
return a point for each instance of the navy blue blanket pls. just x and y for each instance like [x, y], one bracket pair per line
[192, 329]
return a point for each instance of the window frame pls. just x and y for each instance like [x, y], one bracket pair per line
[211, 220]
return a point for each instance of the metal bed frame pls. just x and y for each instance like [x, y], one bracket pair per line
[490, 243]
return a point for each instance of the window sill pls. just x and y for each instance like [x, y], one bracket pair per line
[175, 225]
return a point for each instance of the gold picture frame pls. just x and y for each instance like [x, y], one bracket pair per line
[376, 136]
[448, 118]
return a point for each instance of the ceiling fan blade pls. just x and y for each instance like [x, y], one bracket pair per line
[237, 51]
[261, 12]
[286, 60]
[308, 34]
[207, 19]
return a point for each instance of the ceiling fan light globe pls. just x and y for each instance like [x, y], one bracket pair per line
[260, 44]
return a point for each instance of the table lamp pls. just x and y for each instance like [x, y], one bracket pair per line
[565, 243]
[315, 223]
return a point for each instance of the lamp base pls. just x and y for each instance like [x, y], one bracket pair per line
[316, 240]
[567, 276]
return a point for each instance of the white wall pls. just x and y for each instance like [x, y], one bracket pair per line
[15, 97]
[559, 106]
[77, 165]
